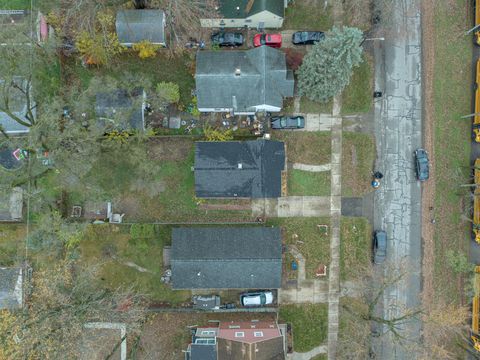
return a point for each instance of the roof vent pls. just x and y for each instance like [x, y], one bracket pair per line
[240, 165]
[238, 72]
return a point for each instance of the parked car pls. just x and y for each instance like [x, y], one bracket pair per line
[287, 122]
[307, 37]
[422, 164]
[272, 40]
[227, 39]
[259, 298]
[379, 246]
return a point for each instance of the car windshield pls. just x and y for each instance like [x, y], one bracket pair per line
[304, 36]
[262, 39]
[283, 122]
[262, 299]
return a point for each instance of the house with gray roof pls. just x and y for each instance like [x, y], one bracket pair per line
[226, 258]
[122, 109]
[11, 287]
[242, 82]
[239, 169]
[258, 14]
[134, 26]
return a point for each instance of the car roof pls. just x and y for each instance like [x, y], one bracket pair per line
[381, 237]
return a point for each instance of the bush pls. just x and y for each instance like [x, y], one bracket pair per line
[142, 231]
[146, 49]
[294, 59]
[168, 92]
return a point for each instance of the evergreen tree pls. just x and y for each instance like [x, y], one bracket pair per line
[327, 68]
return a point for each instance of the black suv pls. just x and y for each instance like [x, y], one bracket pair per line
[379, 246]
[421, 164]
[307, 37]
[227, 39]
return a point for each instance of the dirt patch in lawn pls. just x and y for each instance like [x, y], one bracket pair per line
[166, 335]
[170, 148]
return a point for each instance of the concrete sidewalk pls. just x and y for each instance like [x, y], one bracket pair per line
[322, 349]
[312, 168]
[292, 206]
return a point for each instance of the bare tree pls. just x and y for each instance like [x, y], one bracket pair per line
[65, 297]
[183, 18]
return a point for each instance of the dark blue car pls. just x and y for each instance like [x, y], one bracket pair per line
[421, 164]
[379, 247]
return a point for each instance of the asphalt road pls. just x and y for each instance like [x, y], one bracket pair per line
[398, 131]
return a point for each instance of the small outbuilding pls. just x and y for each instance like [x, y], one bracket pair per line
[134, 26]
[11, 288]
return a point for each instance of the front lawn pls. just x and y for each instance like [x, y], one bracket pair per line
[131, 258]
[311, 240]
[308, 106]
[355, 248]
[358, 157]
[305, 183]
[357, 97]
[303, 15]
[309, 324]
[313, 148]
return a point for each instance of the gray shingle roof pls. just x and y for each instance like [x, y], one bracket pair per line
[226, 258]
[133, 26]
[124, 108]
[228, 8]
[10, 288]
[263, 79]
[218, 173]
[202, 352]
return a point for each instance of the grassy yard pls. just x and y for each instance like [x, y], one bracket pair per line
[313, 148]
[354, 333]
[155, 184]
[305, 234]
[303, 15]
[12, 241]
[15, 4]
[157, 69]
[310, 106]
[358, 158]
[452, 93]
[114, 246]
[309, 324]
[358, 95]
[304, 183]
[355, 245]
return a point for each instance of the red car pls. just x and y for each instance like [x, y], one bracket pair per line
[273, 40]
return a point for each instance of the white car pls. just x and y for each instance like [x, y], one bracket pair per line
[257, 298]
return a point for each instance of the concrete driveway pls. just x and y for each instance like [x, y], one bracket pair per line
[398, 130]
